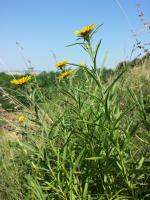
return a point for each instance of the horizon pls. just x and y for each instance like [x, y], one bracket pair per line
[43, 28]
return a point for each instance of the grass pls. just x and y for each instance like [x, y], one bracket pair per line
[90, 140]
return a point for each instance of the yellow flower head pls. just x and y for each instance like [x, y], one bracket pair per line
[21, 119]
[21, 81]
[85, 31]
[65, 74]
[82, 64]
[61, 64]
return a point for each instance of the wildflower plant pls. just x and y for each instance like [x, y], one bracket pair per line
[86, 151]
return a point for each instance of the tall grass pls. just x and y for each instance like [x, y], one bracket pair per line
[90, 141]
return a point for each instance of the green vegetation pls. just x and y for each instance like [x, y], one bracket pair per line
[84, 137]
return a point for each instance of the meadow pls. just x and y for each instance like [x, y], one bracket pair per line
[77, 134]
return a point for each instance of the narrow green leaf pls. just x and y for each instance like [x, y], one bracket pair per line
[114, 81]
[95, 79]
[93, 158]
[78, 43]
[85, 191]
[140, 163]
[96, 51]
[96, 30]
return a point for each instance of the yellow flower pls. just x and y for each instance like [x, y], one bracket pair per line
[85, 31]
[61, 64]
[21, 81]
[65, 74]
[21, 119]
[82, 64]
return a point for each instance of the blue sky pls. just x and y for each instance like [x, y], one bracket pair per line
[44, 25]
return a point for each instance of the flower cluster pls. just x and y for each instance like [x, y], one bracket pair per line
[21, 81]
[65, 73]
[83, 33]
